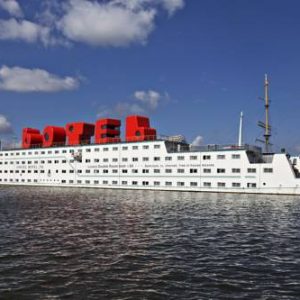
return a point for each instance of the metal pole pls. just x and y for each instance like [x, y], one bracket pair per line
[267, 134]
[240, 142]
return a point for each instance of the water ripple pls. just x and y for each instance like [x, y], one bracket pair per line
[103, 244]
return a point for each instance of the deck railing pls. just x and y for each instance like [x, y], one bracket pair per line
[171, 144]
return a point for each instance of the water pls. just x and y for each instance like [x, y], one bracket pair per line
[104, 244]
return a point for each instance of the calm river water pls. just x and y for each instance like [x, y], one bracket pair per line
[107, 244]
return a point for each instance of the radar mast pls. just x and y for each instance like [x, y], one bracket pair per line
[266, 125]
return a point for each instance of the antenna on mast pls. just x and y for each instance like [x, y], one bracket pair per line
[266, 125]
[240, 142]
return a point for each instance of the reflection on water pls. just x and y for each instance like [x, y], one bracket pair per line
[108, 244]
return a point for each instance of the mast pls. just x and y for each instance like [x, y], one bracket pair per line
[266, 125]
[240, 142]
[267, 134]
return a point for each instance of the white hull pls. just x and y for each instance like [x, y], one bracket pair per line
[152, 165]
[267, 191]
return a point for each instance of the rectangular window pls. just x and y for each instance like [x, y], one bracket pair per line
[221, 184]
[124, 159]
[206, 157]
[145, 171]
[115, 171]
[156, 183]
[135, 159]
[193, 157]
[124, 182]
[134, 171]
[156, 146]
[105, 171]
[235, 156]
[168, 170]
[251, 170]
[145, 158]
[168, 183]
[268, 170]
[115, 160]
[220, 170]
[145, 147]
[180, 183]
[234, 170]
[96, 181]
[135, 147]
[124, 171]
[105, 149]
[251, 185]
[180, 170]
[115, 148]
[180, 157]
[124, 148]
[145, 182]
[156, 170]
[134, 182]
[105, 159]
[220, 156]
[168, 158]
[193, 184]
[193, 171]
[236, 184]
[156, 158]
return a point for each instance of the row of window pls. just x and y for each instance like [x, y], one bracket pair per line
[135, 183]
[145, 171]
[96, 149]
[96, 160]
[30, 162]
[168, 158]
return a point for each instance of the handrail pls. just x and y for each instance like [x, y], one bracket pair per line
[173, 146]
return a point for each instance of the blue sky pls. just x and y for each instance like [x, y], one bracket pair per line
[191, 65]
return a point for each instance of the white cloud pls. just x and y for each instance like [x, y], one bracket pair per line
[12, 7]
[106, 24]
[19, 79]
[197, 141]
[143, 102]
[121, 109]
[115, 23]
[27, 31]
[5, 126]
[170, 5]
[173, 5]
[150, 99]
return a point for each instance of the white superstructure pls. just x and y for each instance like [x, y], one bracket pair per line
[157, 165]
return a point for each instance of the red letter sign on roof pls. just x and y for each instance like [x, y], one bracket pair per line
[54, 136]
[107, 131]
[31, 138]
[79, 133]
[138, 129]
